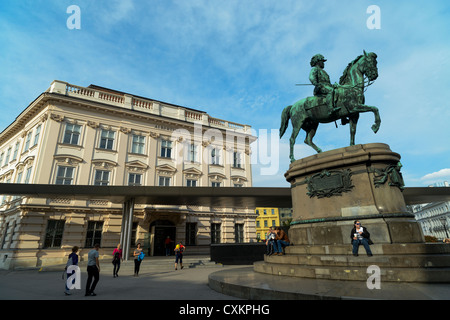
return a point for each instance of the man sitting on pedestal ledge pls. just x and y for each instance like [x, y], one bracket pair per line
[282, 241]
[360, 235]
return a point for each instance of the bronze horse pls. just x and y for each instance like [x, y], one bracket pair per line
[348, 97]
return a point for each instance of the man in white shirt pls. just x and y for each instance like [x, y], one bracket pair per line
[93, 270]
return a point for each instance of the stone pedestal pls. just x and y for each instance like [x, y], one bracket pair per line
[331, 190]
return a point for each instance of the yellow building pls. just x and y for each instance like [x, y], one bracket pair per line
[267, 217]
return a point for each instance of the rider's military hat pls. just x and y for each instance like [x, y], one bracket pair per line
[318, 57]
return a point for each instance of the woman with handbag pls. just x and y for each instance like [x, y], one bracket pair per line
[137, 260]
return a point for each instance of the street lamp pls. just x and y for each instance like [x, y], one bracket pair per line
[444, 223]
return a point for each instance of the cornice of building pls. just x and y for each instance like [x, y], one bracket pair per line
[109, 100]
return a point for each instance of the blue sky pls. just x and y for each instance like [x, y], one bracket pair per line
[239, 60]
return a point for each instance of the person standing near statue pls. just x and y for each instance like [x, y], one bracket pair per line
[321, 81]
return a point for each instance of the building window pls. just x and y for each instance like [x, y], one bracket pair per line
[54, 233]
[191, 183]
[239, 233]
[36, 135]
[8, 154]
[166, 148]
[192, 155]
[94, 233]
[5, 233]
[64, 175]
[164, 181]
[19, 177]
[16, 150]
[27, 142]
[215, 233]
[28, 175]
[134, 179]
[72, 134]
[138, 144]
[107, 139]
[215, 156]
[101, 178]
[265, 224]
[236, 160]
[191, 231]
[215, 184]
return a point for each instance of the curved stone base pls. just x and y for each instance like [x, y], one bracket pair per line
[244, 283]
[332, 189]
[428, 263]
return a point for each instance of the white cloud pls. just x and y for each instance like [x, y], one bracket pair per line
[439, 176]
[116, 11]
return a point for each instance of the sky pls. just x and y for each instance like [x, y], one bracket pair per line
[240, 60]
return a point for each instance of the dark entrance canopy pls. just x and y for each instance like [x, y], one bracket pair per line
[250, 197]
[199, 196]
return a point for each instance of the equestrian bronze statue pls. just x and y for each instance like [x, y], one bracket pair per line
[332, 102]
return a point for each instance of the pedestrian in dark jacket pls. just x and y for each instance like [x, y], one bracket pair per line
[71, 261]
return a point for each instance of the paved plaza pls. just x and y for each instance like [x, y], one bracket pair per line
[157, 280]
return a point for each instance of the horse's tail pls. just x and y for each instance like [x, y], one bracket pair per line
[285, 116]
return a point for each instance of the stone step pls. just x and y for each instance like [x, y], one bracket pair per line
[387, 248]
[394, 261]
[388, 274]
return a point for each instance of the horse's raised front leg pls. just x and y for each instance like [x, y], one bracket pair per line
[377, 124]
[365, 108]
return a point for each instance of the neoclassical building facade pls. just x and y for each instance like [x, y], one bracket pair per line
[434, 218]
[75, 135]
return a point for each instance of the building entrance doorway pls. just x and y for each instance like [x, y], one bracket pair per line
[160, 230]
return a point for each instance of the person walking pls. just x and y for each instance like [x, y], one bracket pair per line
[93, 270]
[117, 258]
[137, 260]
[71, 261]
[179, 249]
[360, 235]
